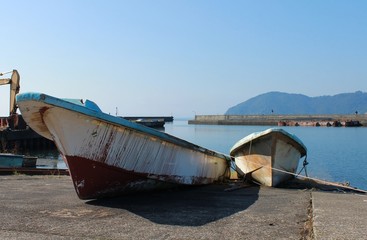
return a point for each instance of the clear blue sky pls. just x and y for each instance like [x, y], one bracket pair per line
[183, 58]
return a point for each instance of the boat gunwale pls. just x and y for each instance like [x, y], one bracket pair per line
[258, 135]
[117, 121]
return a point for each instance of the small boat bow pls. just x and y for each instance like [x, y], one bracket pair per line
[269, 157]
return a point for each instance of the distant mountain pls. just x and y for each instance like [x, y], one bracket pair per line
[286, 103]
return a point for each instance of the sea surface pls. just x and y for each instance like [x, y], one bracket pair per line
[334, 154]
[337, 154]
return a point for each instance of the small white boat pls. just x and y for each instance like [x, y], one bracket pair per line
[268, 157]
[109, 155]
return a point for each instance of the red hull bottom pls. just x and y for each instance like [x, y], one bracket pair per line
[93, 179]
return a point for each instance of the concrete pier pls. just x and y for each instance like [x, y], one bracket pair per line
[47, 207]
[273, 119]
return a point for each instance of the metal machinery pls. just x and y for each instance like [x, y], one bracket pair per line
[14, 89]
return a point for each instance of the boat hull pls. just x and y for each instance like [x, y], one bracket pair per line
[93, 179]
[10, 160]
[270, 157]
[109, 156]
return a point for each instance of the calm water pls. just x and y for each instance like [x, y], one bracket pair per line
[334, 154]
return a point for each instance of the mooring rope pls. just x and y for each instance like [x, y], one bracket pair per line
[302, 176]
[305, 163]
[315, 179]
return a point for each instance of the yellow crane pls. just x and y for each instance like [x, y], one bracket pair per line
[15, 135]
[14, 89]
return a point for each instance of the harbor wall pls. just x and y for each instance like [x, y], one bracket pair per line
[275, 120]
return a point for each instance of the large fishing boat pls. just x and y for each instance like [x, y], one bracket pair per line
[108, 155]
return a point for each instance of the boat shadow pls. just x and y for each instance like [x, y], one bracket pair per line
[189, 206]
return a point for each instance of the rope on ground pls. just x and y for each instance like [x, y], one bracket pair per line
[305, 177]
[318, 180]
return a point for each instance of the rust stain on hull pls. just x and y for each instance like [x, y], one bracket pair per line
[93, 179]
[109, 156]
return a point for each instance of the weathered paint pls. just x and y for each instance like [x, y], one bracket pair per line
[262, 154]
[108, 155]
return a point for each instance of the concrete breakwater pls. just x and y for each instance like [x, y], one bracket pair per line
[282, 120]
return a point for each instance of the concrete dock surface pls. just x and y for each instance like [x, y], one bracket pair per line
[339, 216]
[47, 207]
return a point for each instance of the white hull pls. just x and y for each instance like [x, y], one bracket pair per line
[270, 157]
[108, 155]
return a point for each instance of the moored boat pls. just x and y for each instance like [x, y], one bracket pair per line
[108, 155]
[268, 157]
[153, 123]
[9, 160]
